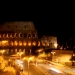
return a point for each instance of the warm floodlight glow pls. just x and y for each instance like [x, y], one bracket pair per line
[55, 45]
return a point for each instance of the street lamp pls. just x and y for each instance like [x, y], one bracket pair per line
[28, 63]
[2, 52]
[20, 54]
[28, 67]
[55, 45]
[39, 51]
[53, 55]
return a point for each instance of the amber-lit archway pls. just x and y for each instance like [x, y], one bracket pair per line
[24, 43]
[34, 43]
[29, 43]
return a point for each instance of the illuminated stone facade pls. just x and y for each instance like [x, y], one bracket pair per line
[50, 42]
[18, 36]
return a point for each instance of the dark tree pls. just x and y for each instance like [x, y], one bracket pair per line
[34, 48]
[72, 59]
[48, 51]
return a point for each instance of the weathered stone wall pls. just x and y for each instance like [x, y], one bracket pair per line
[8, 26]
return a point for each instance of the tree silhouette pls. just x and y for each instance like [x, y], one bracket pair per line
[72, 59]
[48, 51]
[34, 48]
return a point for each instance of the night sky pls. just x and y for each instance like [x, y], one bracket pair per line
[60, 24]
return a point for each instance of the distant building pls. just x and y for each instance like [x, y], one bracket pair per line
[18, 36]
[67, 43]
[50, 42]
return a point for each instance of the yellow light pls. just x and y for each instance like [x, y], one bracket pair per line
[38, 43]
[24, 43]
[34, 43]
[2, 51]
[21, 53]
[24, 58]
[73, 54]
[4, 41]
[29, 44]
[16, 43]
[39, 50]
[55, 45]
[30, 58]
[11, 43]
[17, 53]
[53, 53]
[20, 43]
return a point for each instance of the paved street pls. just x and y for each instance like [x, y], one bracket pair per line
[32, 70]
[39, 69]
[64, 68]
[46, 68]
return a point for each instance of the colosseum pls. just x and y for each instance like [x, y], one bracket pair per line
[18, 36]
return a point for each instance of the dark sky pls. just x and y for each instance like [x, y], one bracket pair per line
[55, 23]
